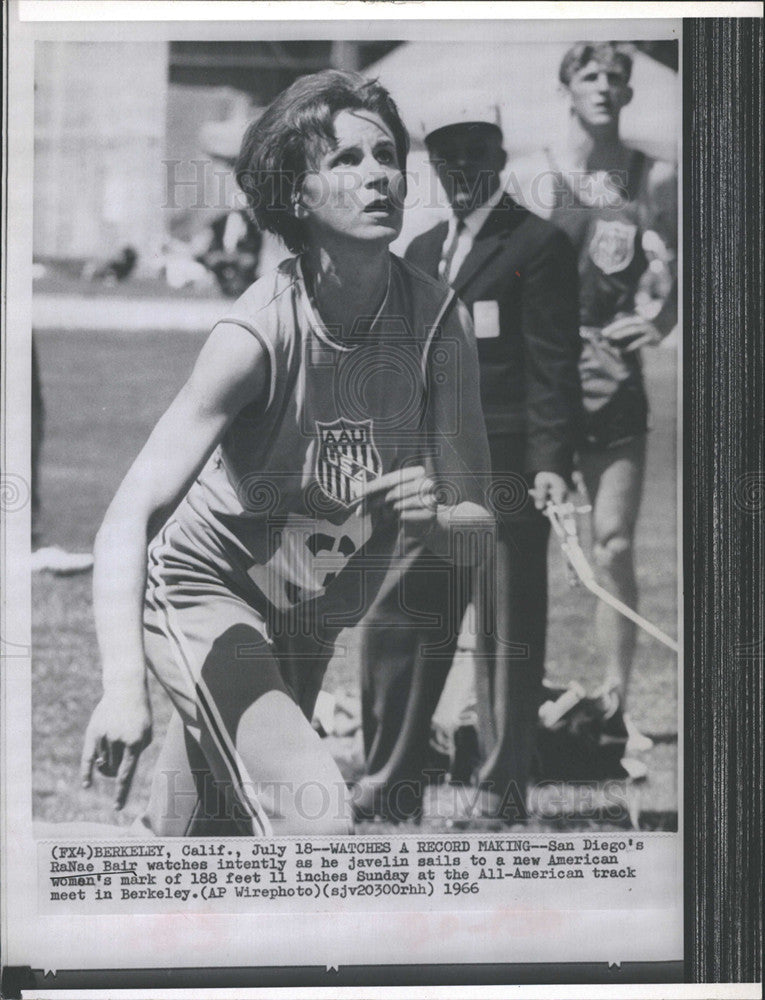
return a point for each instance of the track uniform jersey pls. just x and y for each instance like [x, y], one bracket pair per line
[608, 240]
[270, 554]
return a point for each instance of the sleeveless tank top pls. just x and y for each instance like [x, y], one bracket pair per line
[607, 238]
[274, 513]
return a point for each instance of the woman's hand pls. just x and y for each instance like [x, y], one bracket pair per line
[410, 494]
[118, 732]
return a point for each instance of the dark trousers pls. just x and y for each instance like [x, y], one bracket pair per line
[409, 636]
[509, 676]
[407, 642]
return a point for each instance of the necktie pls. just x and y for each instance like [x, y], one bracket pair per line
[449, 250]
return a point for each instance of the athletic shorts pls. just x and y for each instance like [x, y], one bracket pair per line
[613, 393]
[216, 654]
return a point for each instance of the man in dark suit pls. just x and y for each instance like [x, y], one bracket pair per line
[517, 274]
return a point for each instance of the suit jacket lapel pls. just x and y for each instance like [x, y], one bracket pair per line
[489, 242]
[481, 253]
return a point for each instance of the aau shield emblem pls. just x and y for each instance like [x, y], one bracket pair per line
[612, 246]
[347, 459]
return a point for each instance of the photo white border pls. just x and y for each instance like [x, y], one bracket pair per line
[40, 20]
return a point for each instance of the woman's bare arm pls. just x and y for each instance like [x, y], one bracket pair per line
[231, 371]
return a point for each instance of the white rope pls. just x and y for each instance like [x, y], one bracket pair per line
[563, 520]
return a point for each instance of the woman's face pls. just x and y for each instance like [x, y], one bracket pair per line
[356, 188]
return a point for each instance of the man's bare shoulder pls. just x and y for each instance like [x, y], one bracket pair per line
[530, 181]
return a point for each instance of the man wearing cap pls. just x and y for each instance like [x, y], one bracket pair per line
[517, 275]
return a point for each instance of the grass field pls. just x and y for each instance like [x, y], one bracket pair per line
[103, 392]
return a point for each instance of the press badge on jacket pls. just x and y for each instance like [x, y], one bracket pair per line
[486, 319]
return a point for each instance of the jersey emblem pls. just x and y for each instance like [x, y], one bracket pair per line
[346, 459]
[307, 556]
[612, 246]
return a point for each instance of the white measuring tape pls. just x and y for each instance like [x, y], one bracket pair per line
[562, 517]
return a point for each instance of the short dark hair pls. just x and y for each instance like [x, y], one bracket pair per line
[603, 53]
[277, 147]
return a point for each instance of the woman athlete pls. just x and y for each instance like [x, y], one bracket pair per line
[327, 415]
